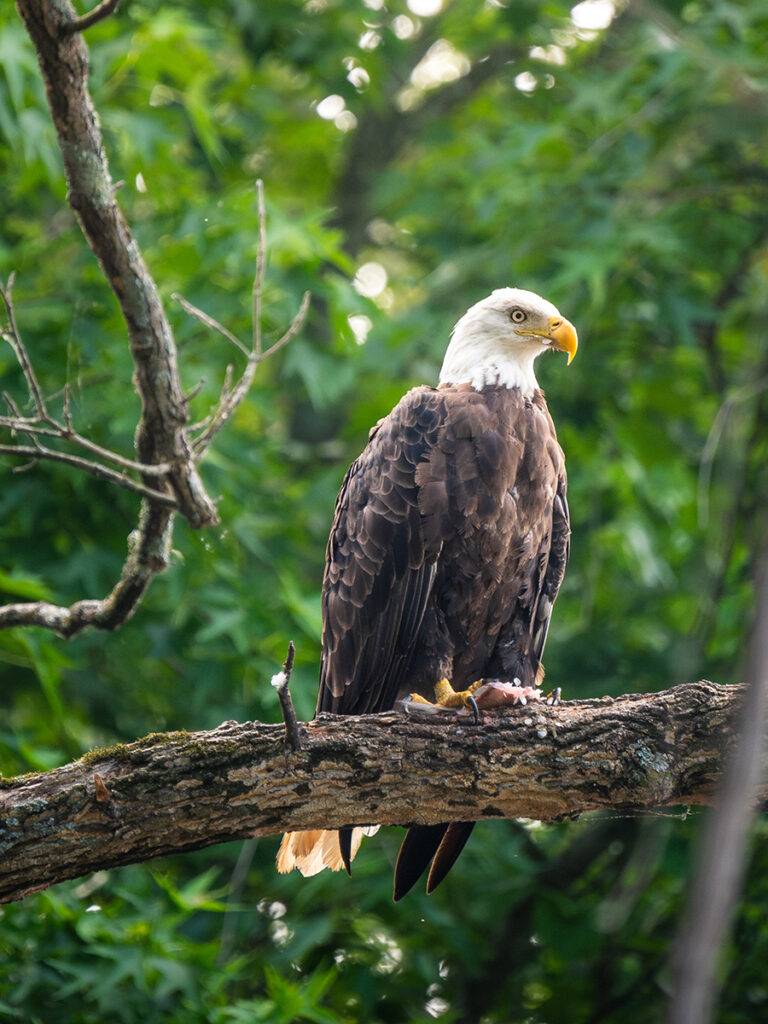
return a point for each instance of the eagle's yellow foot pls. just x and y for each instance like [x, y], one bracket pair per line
[553, 697]
[446, 699]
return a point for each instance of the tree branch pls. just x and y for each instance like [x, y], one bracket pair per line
[182, 791]
[149, 548]
[231, 397]
[161, 435]
[99, 13]
[168, 477]
[38, 451]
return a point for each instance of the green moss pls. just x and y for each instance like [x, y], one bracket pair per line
[124, 751]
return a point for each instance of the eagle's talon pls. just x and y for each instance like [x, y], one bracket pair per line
[475, 710]
[553, 698]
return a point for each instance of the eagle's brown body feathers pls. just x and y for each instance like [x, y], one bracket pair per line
[448, 547]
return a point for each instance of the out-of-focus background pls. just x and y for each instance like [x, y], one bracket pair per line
[614, 158]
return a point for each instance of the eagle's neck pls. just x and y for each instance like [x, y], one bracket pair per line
[477, 357]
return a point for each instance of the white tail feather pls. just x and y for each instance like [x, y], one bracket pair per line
[310, 852]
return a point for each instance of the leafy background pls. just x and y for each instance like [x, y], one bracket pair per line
[613, 158]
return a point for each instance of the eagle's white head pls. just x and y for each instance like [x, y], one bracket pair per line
[498, 339]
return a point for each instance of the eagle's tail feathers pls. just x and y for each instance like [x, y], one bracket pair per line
[345, 848]
[419, 847]
[312, 851]
[453, 842]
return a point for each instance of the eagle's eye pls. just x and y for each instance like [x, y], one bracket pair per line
[518, 315]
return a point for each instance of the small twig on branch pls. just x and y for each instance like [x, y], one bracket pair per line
[231, 398]
[281, 683]
[209, 321]
[38, 451]
[99, 13]
[28, 425]
[13, 337]
[293, 330]
[43, 424]
[261, 261]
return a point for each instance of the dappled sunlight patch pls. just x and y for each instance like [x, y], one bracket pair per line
[360, 325]
[370, 280]
[425, 8]
[593, 15]
[334, 108]
[441, 64]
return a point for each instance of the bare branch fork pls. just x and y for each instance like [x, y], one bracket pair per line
[165, 473]
[233, 395]
[43, 424]
[99, 13]
[182, 791]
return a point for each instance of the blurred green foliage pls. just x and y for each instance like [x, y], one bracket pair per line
[620, 171]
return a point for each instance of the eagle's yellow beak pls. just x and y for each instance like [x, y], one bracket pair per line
[563, 336]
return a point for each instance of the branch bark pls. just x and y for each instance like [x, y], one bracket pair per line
[182, 791]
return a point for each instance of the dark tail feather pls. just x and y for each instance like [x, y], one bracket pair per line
[345, 848]
[451, 846]
[418, 849]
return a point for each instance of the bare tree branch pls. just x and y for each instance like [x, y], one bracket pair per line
[161, 435]
[39, 451]
[13, 338]
[182, 791]
[46, 425]
[99, 13]
[293, 737]
[209, 321]
[149, 547]
[232, 397]
[166, 467]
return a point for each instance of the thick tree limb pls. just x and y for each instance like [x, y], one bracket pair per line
[182, 791]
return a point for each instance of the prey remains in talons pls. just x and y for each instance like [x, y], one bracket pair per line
[483, 695]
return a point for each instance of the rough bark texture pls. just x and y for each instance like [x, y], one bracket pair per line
[181, 791]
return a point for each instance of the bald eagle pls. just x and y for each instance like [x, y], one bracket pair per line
[447, 550]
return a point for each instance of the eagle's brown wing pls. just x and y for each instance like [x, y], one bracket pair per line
[552, 577]
[380, 566]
